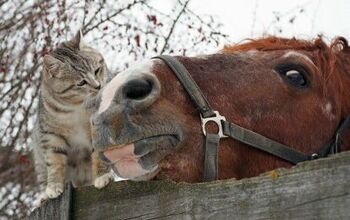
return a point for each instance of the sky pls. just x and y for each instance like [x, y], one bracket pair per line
[253, 18]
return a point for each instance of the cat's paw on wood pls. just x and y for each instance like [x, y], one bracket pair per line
[54, 190]
[41, 200]
[102, 181]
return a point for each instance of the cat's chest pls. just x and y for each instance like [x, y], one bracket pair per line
[78, 125]
[80, 138]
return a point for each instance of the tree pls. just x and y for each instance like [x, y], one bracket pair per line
[124, 31]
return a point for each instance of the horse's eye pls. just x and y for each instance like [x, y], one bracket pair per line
[81, 83]
[97, 71]
[295, 77]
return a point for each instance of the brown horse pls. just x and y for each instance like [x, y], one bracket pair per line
[292, 91]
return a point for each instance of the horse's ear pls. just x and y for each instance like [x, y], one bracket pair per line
[339, 44]
[78, 40]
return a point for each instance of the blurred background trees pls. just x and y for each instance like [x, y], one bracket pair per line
[124, 31]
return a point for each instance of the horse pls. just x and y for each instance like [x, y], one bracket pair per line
[294, 92]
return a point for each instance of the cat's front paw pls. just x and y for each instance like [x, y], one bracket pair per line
[102, 181]
[40, 200]
[53, 190]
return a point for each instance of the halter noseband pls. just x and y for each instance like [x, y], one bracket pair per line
[246, 136]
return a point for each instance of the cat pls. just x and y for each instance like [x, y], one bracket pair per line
[72, 74]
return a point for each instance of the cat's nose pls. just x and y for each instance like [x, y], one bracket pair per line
[95, 84]
[98, 87]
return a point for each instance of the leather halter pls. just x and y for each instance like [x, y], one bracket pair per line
[246, 136]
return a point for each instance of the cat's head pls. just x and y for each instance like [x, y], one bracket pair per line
[74, 70]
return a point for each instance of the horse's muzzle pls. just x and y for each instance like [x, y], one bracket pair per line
[130, 138]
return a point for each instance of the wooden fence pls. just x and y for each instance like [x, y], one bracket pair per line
[318, 189]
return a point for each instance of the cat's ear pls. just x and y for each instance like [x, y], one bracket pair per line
[78, 40]
[51, 65]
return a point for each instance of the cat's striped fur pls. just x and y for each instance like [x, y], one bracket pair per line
[72, 73]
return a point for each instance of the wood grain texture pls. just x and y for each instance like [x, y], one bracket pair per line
[312, 190]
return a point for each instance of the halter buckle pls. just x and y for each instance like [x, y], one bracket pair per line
[217, 119]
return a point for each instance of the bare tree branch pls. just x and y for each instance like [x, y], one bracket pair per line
[173, 26]
[86, 29]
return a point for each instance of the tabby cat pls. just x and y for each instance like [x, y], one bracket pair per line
[72, 73]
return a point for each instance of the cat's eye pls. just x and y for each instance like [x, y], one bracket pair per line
[81, 83]
[97, 71]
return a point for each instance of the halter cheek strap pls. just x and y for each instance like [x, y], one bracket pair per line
[228, 129]
[206, 112]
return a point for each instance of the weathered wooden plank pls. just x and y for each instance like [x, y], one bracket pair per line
[58, 209]
[313, 190]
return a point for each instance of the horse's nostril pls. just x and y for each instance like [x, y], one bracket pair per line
[137, 89]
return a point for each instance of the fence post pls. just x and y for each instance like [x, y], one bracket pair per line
[57, 209]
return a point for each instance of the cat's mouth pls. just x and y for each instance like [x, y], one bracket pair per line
[93, 90]
[139, 160]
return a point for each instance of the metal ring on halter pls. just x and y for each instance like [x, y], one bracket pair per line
[217, 119]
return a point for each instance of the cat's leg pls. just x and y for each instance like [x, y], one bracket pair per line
[100, 172]
[54, 151]
[41, 174]
[56, 162]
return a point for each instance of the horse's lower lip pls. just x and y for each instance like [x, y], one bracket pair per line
[127, 163]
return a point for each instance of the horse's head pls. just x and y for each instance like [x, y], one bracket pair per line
[292, 91]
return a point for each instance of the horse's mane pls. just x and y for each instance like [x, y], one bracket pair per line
[279, 43]
[333, 59]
